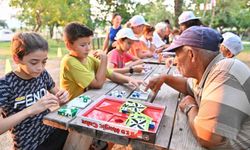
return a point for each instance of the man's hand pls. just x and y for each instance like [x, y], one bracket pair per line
[155, 84]
[186, 101]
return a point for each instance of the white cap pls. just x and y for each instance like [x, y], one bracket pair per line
[137, 20]
[232, 42]
[186, 16]
[125, 33]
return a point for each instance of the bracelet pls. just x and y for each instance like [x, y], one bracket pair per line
[131, 70]
[188, 108]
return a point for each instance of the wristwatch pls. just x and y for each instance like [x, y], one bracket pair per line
[131, 70]
[188, 108]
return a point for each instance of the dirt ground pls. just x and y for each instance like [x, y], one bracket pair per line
[53, 67]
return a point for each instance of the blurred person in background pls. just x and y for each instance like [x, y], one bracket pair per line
[231, 45]
[159, 35]
[110, 36]
[188, 19]
[147, 37]
[138, 49]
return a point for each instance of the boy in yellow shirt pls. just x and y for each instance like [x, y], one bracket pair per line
[79, 70]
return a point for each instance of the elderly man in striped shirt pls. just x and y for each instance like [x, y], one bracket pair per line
[218, 90]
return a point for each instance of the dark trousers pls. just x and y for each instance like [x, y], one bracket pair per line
[55, 141]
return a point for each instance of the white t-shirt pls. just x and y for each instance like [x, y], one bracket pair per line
[157, 41]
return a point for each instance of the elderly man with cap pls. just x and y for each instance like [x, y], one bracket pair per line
[139, 48]
[218, 90]
[231, 45]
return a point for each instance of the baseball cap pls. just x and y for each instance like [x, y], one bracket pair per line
[125, 33]
[137, 20]
[186, 16]
[232, 42]
[198, 36]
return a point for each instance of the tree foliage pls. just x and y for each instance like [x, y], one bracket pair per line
[233, 14]
[104, 8]
[154, 12]
[3, 24]
[226, 14]
[41, 13]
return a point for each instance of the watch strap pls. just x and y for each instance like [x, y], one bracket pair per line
[188, 108]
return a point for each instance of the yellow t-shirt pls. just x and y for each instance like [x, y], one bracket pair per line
[75, 76]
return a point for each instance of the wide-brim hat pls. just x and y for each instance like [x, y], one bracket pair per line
[186, 16]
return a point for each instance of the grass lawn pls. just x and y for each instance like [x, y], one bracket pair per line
[53, 48]
[247, 48]
[54, 45]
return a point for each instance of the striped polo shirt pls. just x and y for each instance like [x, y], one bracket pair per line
[223, 96]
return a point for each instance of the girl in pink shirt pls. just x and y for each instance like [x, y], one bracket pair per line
[119, 59]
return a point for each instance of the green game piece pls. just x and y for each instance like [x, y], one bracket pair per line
[85, 98]
[67, 111]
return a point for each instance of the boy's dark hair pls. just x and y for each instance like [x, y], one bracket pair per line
[25, 43]
[75, 30]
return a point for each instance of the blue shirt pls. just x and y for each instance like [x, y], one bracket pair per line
[112, 33]
[17, 94]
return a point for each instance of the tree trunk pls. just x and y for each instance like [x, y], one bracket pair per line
[205, 9]
[51, 30]
[212, 16]
[177, 9]
[38, 20]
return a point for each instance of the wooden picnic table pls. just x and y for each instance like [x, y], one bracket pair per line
[174, 132]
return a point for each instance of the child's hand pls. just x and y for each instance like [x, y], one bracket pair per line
[63, 96]
[46, 102]
[100, 54]
[138, 68]
[135, 83]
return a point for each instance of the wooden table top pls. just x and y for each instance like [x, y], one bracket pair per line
[174, 132]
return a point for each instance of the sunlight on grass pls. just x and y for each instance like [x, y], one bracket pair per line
[53, 47]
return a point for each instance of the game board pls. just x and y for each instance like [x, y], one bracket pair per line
[71, 108]
[118, 94]
[139, 95]
[105, 115]
[131, 107]
[81, 101]
[139, 121]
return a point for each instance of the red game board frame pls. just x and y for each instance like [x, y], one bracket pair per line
[103, 115]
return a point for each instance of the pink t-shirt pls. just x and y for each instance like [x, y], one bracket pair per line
[119, 59]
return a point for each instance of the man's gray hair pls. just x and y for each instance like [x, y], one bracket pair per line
[160, 26]
[206, 53]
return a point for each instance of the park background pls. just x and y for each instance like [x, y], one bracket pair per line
[48, 17]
